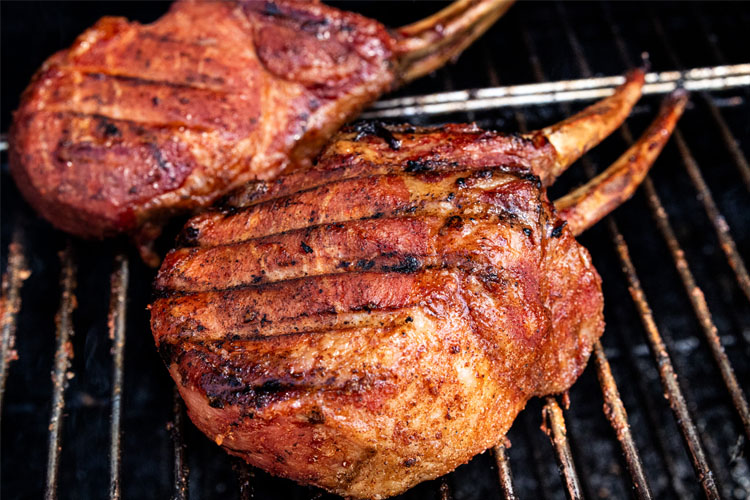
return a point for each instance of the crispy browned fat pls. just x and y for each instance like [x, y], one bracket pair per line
[135, 123]
[379, 319]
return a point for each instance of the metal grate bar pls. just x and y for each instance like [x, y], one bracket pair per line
[553, 424]
[733, 147]
[181, 469]
[615, 411]
[716, 77]
[445, 489]
[740, 161]
[10, 304]
[116, 324]
[60, 374]
[717, 220]
[666, 370]
[700, 306]
[695, 294]
[245, 477]
[616, 415]
[556, 429]
[504, 474]
[531, 433]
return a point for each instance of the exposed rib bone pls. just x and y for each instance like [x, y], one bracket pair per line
[585, 206]
[428, 44]
[576, 135]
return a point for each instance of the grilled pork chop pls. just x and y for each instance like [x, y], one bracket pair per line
[381, 318]
[135, 123]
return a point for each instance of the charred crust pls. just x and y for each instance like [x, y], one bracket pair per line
[461, 183]
[249, 316]
[271, 9]
[214, 401]
[377, 129]
[454, 222]
[365, 264]
[557, 230]
[222, 390]
[306, 248]
[419, 166]
[167, 352]
[316, 417]
[188, 237]
[409, 264]
[108, 128]
[489, 275]
[229, 210]
[534, 179]
[527, 231]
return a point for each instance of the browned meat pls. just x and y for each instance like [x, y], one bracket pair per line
[378, 320]
[134, 123]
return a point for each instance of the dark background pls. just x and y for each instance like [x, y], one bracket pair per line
[32, 31]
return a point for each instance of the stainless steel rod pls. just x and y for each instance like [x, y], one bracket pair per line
[711, 78]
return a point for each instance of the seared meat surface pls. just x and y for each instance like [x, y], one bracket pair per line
[379, 319]
[134, 122]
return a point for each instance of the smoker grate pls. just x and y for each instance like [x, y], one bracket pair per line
[189, 475]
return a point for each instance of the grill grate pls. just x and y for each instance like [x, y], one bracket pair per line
[700, 446]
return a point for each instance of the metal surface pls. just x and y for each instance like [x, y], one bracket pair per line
[695, 294]
[245, 477]
[10, 303]
[717, 220]
[116, 323]
[60, 373]
[181, 469]
[730, 142]
[615, 411]
[504, 474]
[445, 489]
[669, 379]
[713, 78]
[613, 406]
[553, 424]
[666, 370]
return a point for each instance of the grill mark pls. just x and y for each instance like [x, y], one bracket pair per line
[288, 330]
[385, 195]
[134, 124]
[295, 183]
[287, 333]
[268, 259]
[252, 309]
[189, 328]
[138, 80]
[401, 245]
[106, 72]
[243, 377]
